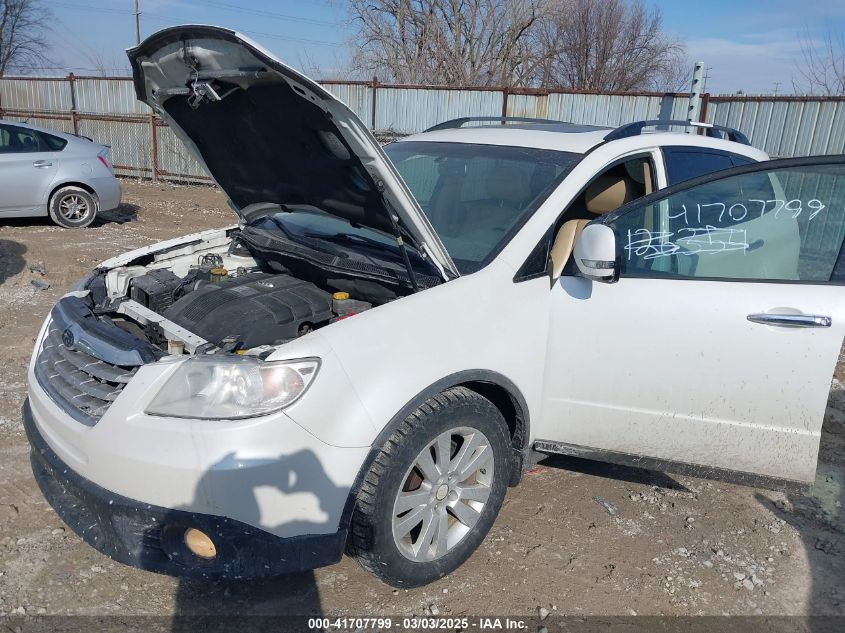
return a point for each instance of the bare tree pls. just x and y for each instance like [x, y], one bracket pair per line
[581, 44]
[23, 42]
[459, 42]
[104, 64]
[822, 66]
[607, 45]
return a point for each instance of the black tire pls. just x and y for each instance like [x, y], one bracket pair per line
[73, 207]
[372, 539]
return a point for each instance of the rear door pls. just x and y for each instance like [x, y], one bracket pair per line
[715, 349]
[27, 169]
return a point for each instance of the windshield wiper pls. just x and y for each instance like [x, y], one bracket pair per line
[325, 248]
[351, 238]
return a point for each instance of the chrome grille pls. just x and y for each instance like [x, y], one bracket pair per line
[81, 384]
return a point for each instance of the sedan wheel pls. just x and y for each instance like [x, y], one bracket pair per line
[73, 207]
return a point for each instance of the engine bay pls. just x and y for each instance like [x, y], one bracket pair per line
[221, 295]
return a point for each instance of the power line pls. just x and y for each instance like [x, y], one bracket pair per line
[262, 13]
[169, 18]
[283, 38]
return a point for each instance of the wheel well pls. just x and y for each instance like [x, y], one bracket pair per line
[81, 185]
[507, 399]
[506, 404]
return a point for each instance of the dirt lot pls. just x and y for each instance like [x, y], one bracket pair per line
[575, 538]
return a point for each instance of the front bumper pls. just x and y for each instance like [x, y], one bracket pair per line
[150, 537]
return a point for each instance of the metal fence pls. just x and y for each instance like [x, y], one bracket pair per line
[105, 109]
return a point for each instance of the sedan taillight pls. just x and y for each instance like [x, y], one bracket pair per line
[103, 157]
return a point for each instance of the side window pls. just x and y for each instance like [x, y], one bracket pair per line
[15, 139]
[621, 183]
[777, 224]
[685, 163]
[52, 143]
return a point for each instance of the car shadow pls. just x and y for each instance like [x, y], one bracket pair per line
[613, 471]
[819, 519]
[124, 213]
[295, 480]
[12, 259]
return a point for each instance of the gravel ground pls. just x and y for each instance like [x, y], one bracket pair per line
[575, 538]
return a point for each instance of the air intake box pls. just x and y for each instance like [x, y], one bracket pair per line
[254, 308]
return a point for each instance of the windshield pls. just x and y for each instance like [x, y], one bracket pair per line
[477, 196]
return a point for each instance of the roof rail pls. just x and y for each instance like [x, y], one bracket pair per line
[636, 128]
[456, 123]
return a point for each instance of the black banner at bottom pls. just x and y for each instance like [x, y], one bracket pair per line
[362, 624]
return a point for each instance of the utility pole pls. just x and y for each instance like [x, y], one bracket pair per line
[777, 85]
[695, 93]
[137, 22]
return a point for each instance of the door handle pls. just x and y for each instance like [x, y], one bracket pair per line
[42, 163]
[791, 320]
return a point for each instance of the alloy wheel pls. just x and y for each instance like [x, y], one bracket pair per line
[73, 207]
[443, 494]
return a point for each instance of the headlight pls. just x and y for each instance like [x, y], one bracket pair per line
[231, 387]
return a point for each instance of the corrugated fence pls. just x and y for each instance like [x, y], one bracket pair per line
[105, 109]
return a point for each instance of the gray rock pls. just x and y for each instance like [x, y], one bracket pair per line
[608, 507]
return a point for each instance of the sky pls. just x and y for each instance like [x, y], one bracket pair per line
[748, 45]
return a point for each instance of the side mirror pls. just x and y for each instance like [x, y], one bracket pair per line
[595, 253]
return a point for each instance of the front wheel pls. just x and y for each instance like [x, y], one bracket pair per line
[433, 491]
[73, 207]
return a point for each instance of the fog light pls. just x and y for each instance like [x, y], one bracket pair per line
[200, 544]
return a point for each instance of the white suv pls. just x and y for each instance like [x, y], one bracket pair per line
[375, 352]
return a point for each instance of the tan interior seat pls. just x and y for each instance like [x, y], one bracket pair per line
[564, 244]
[605, 194]
[639, 170]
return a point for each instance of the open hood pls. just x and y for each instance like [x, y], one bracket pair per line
[268, 134]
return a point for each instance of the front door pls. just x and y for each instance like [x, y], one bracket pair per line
[27, 169]
[717, 345]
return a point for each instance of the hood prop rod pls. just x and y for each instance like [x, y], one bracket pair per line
[404, 250]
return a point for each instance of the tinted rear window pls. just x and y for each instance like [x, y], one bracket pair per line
[685, 163]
